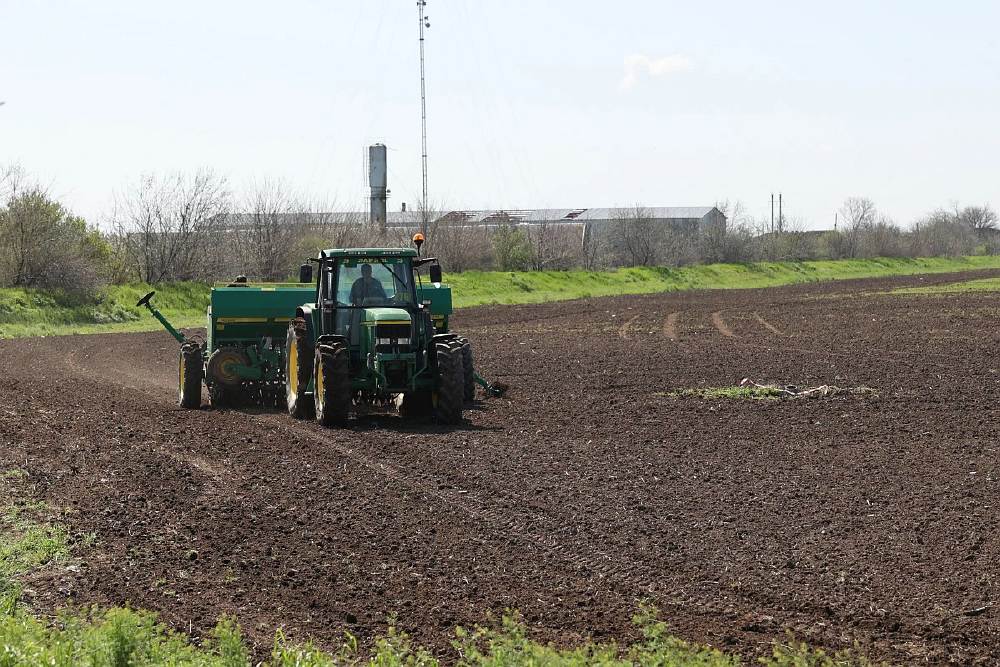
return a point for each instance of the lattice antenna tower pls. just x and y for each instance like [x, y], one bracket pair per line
[424, 24]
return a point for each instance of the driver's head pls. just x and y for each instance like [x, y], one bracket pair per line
[366, 270]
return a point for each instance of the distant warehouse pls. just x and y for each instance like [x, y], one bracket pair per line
[677, 218]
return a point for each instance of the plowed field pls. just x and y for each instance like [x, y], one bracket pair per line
[852, 518]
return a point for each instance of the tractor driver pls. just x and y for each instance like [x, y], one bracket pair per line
[366, 287]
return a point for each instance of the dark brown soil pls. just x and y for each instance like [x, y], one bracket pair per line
[847, 519]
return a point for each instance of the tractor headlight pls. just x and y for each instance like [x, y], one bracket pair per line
[392, 341]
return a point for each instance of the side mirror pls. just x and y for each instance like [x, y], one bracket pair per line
[435, 272]
[306, 273]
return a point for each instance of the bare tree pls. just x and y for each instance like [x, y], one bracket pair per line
[167, 227]
[635, 236]
[881, 238]
[458, 241]
[979, 218]
[858, 213]
[941, 233]
[553, 245]
[593, 247]
[266, 231]
[793, 242]
[724, 241]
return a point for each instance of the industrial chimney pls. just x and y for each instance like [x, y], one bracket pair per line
[377, 182]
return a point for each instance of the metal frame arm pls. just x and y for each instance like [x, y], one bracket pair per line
[144, 301]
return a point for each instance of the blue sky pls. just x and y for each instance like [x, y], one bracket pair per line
[530, 104]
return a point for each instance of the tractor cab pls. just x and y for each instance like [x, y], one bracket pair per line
[368, 297]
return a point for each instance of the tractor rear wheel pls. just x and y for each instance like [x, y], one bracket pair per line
[449, 398]
[468, 372]
[298, 369]
[333, 384]
[190, 370]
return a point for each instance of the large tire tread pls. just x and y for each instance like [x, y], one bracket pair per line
[299, 405]
[468, 371]
[189, 391]
[450, 391]
[333, 399]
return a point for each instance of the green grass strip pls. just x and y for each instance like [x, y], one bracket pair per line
[127, 638]
[32, 312]
[983, 285]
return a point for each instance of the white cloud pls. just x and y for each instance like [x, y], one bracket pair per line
[638, 64]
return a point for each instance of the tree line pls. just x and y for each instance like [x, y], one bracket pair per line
[193, 227]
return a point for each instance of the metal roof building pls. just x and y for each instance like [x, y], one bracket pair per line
[675, 216]
[555, 215]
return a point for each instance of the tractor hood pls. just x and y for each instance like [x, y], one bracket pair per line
[386, 316]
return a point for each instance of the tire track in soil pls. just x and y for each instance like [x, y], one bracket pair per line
[625, 331]
[670, 325]
[767, 325]
[608, 566]
[721, 326]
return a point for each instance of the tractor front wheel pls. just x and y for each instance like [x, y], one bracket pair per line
[190, 369]
[298, 369]
[449, 398]
[333, 384]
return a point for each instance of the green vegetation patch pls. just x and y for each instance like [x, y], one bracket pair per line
[752, 393]
[27, 540]
[37, 312]
[981, 285]
[473, 288]
[125, 637]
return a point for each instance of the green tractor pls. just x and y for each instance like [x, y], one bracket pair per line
[372, 334]
[377, 334]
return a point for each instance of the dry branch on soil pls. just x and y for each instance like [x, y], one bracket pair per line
[822, 391]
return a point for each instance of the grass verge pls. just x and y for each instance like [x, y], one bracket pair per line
[474, 288]
[982, 285]
[30, 312]
[36, 312]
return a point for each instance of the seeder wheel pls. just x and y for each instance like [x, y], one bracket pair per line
[189, 375]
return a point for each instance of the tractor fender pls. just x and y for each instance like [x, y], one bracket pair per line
[306, 313]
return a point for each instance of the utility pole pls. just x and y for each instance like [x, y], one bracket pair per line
[781, 219]
[424, 23]
[772, 212]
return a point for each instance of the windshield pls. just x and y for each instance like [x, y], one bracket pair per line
[374, 282]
